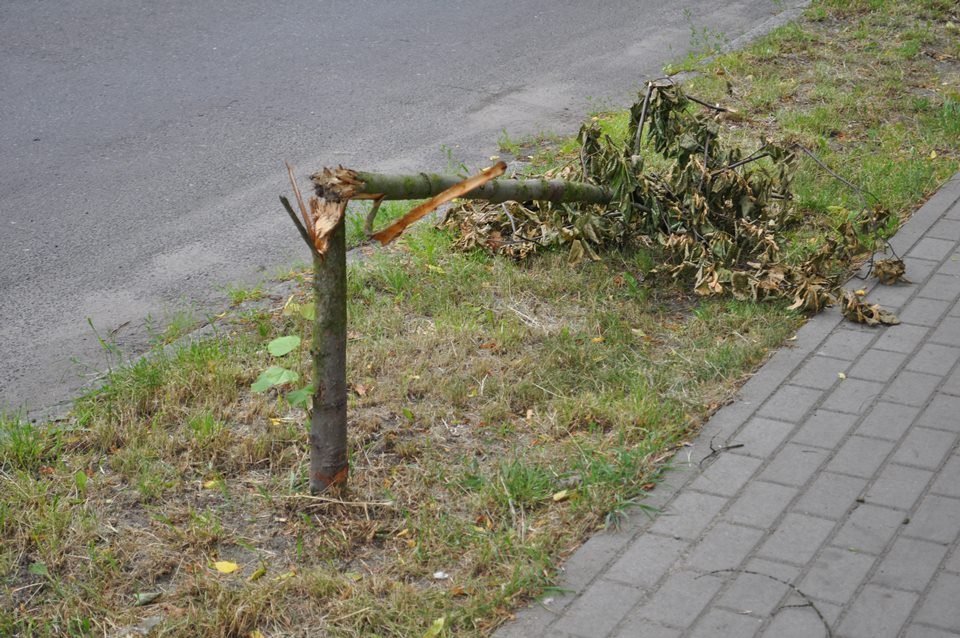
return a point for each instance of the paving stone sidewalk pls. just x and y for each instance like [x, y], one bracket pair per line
[839, 515]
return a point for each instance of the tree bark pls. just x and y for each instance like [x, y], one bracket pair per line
[328, 423]
[349, 184]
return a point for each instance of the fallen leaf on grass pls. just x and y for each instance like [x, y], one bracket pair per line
[145, 598]
[225, 566]
[436, 628]
[561, 496]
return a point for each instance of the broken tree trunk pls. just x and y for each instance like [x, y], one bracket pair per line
[328, 423]
[323, 229]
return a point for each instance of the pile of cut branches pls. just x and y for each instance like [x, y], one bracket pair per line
[719, 217]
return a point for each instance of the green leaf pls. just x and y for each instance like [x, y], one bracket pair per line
[300, 398]
[309, 311]
[407, 412]
[282, 345]
[436, 627]
[39, 569]
[80, 478]
[145, 598]
[274, 375]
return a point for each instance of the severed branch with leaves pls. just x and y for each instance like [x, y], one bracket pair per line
[719, 217]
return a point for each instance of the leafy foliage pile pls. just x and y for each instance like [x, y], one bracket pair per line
[720, 218]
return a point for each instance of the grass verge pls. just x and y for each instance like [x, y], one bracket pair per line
[500, 412]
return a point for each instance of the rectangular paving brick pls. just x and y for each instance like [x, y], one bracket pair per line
[953, 563]
[646, 560]
[877, 365]
[888, 421]
[936, 519]
[941, 606]
[948, 479]
[853, 396]
[794, 465]
[910, 564]
[836, 574]
[831, 495]
[941, 286]
[912, 388]
[926, 631]
[760, 504]
[947, 332]
[860, 456]
[869, 528]
[892, 297]
[924, 312]
[761, 437]
[951, 266]
[934, 358]
[796, 539]
[531, 621]
[642, 627]
[932, 248]
[945, 229]
[759, 588]
[789, 403]
[924, 447]
[902, 338]
[819, 372]
[688, 515]
[590, 560]
[824, 428]
[599, 609]
[877, 613]
[794, 622]
[898, 487]
[727, 474]
[846, 344]
[718, 622]
[679, 600]
[723, 547]
[942, 413]
[952, 384]
[783, 362]
[919, 270]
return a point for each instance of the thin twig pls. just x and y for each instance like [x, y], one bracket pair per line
[643, 117]
[717, 450]
[715, 107]
[307, 219]
[351, 614]
[706, 162]
[809, 603]
[334, 501]
[753, 157]
[859, 190]
[513, 227]
[371, 216]
[296, 222]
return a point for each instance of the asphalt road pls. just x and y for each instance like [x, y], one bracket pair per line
[141, 144]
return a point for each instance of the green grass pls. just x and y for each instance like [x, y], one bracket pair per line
[500, 412]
